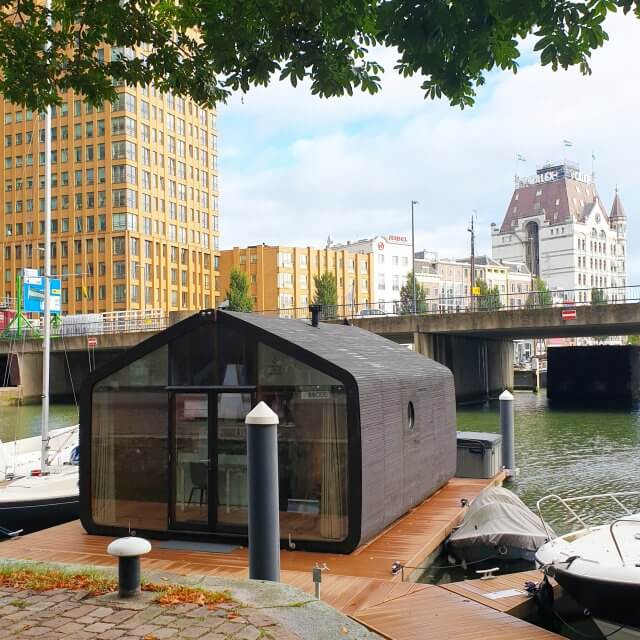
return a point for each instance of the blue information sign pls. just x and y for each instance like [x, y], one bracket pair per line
[33, 294]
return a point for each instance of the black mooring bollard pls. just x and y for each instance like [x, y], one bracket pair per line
[264, 509]
[128, 551]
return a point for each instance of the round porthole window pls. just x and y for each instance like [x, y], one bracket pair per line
[411, 415]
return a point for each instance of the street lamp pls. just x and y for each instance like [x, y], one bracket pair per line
[413, 255]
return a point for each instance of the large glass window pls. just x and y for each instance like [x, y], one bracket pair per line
[312, 445]
[129, 446]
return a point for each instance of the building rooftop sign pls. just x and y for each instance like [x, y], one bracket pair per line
[397, 238]
[553, 172]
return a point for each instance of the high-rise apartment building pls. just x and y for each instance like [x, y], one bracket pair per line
[282, 278]
[557, 224]
[134, 201]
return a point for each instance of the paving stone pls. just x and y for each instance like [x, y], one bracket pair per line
[34, 632]
[119, 616]
[248, 633]
[80, 612]
[70, 627]
[229, 628]
[164, 619]
[194, 632]
[112, 634]
[167, 632]
[99, 627]
[101, 612]
[143, 630]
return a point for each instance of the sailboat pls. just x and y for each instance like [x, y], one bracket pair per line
[46, 495]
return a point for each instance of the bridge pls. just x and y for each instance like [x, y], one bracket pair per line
[474, 341]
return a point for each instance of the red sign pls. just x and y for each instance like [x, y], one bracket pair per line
[381, 246]
[92, 343]
[568, 314]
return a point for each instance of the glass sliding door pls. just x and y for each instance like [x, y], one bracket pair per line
[191, 468]
[231, 459]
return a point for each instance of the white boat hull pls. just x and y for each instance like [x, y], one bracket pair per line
[598, 570]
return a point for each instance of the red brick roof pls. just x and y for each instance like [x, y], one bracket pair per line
[560, 200]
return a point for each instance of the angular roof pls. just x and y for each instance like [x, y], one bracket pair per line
[617, 210]
[560, 192]
[365, 355]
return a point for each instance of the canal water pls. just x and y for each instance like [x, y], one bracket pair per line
[22, 422]
[569, 452]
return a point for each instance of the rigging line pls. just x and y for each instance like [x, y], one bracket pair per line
[587, 635]
[66, 357]
[19, 412]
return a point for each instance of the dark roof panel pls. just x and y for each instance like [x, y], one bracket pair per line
[364, 354]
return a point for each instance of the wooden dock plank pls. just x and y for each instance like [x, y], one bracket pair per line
[360, 584]
[517, 605]
[433, 612]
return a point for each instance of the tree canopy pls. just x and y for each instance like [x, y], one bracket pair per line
[239, 294]
[326, 289]
[208, 49]
[540, 296]
[406, 296]
[489, 297]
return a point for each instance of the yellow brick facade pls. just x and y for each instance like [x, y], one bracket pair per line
[134, 202]
[283, 277]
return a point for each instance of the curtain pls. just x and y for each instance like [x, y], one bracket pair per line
[333, 519]
[103, 463]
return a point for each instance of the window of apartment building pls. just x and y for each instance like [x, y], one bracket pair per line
[89, 130]
[119, 293]
[118, 246]
[79, 200]
[124, 102]
[124, 198]
[122, 125]
[90, 176]
[303, 281]
[123, 173]
[395, 260]
[381, 282]
[284, 259]
[285, 280]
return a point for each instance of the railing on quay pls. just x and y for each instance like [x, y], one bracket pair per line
[90, 324]
[491, 302]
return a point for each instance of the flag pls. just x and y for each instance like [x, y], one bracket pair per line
[520, 158]
[567, 143]
[85, 292]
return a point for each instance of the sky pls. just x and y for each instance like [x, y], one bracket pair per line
[296, 169]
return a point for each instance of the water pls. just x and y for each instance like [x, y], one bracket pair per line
[569, 452]
[566, 451]
[22, 422]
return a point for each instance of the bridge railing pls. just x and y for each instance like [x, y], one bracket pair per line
[493, 301]
[92, 324]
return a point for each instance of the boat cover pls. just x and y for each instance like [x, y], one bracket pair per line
[498, 517]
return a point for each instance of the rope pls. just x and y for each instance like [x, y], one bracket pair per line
[586, 635]
[66, 358]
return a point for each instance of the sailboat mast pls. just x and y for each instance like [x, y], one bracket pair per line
[46, 354]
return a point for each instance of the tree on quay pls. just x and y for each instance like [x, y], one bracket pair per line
[598, 296]
[208, 49]
[326, 294]
[540, 295]
[489, 297]
[238, 294]
[406, 296]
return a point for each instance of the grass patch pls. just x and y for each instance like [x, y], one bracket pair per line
[173, 594]
[39, 579]
[21, 604]
[97, 583]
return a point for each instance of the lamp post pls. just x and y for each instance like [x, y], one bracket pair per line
[472, 231]
[413, 256]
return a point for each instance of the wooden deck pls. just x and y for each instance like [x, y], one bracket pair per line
[359, 584]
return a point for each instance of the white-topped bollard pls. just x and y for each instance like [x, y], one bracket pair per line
[264, 508]
[508, 436]
[128, 551]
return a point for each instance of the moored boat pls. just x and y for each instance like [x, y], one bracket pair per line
[497, 525]
[599, 567]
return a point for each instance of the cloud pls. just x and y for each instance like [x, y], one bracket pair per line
[299, 168]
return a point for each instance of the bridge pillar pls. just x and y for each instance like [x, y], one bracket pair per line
[481, 368]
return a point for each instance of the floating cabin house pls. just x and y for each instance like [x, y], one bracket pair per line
[367, 431]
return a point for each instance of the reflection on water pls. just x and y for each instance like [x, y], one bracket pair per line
[22, 422]
[566, 451]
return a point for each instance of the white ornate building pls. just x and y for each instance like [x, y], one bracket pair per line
[557, 224]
